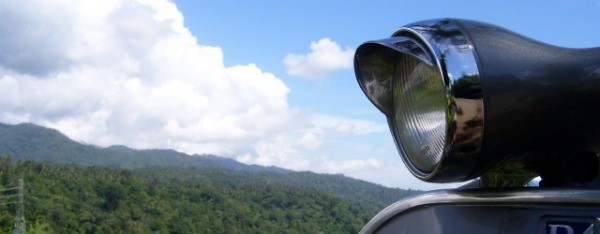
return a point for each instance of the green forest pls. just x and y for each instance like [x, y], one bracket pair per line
[71, 187]
[70, 198]
[78, 199]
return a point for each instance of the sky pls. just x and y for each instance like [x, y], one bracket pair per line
[263, 82]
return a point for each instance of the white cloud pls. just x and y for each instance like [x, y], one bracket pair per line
[325, 56]
[325, 123]
[351, 165]
[309, 141]
[281, 151]
[296, 148]
[129, 72]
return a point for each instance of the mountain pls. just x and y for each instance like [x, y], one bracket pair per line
[32, 142]
[68, 198]
[24, 142]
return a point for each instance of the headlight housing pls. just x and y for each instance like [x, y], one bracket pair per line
[441, 83]
[415, 85]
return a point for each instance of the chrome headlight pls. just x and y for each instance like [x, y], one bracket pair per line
[440, 83]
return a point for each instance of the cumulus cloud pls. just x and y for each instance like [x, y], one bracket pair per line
[309, 141]
[115, 72]
[297, 148]
[129, 72]
[325, 56]
[326, 123]
[351, 165]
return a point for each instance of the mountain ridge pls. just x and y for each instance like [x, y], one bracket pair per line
[24, 142]
[27, 141]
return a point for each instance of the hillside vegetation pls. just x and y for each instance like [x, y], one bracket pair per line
[75, 199]
[77, 188]
[33, 142]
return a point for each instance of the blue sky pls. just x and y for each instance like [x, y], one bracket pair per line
[263, 82]
[263, 32]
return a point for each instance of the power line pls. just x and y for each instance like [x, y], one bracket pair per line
[9, 189]
[20, 217]
[9, 196]
[7, 203]
[20, 213]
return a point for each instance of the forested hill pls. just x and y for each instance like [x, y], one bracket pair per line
[176, 174]
[32, 142]
[78, 199]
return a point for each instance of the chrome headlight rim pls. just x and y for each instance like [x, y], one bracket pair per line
[449, 49]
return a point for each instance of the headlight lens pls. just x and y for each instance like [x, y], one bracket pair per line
[419, 115]
[425, 79]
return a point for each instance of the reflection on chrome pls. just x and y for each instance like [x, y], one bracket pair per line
[441, 45]
[535, 182]
[466, 197]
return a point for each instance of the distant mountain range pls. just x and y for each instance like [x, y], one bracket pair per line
[32, 142]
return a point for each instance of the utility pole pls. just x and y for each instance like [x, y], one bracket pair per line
[8, 199]
[20, 216]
